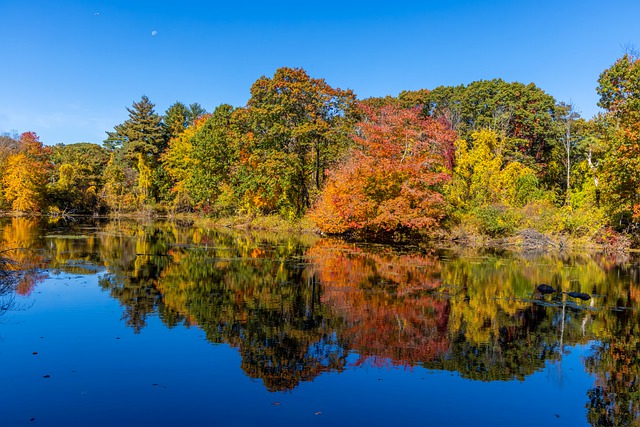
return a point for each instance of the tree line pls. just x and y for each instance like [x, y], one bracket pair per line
[490, 157]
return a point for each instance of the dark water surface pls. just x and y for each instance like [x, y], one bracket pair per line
[123, 323]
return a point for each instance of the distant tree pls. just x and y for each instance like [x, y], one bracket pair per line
[482, 177]
[567, 118]
[180, 164]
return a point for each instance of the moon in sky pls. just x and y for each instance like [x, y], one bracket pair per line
[154, 33]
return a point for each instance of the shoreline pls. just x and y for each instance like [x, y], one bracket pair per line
[524, 240]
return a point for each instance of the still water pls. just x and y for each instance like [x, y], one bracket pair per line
[124, 323]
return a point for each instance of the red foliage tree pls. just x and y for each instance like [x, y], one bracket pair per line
[393, 178]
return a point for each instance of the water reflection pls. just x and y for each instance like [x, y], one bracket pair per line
[296, 307]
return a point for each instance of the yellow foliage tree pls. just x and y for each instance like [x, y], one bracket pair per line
[481, 177]
[25, 176]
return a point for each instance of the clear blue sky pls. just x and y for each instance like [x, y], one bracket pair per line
[70, 68]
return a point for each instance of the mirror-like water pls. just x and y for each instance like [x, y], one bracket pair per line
[122, 323]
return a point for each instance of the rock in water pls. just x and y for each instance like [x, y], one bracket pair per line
[579, 295]
[545, 289]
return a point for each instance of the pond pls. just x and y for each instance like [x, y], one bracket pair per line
[125, 323]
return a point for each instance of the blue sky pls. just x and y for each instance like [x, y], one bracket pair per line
[70, 68]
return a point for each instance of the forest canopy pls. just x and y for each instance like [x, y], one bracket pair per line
[490, 158]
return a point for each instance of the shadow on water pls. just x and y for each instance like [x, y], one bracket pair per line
[298, 306]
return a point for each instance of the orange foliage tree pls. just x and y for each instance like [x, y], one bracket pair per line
[393, 179]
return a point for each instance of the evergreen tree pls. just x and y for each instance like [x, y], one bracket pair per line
[141, 139]
[176, 119]
[195, 111]
[142, 133]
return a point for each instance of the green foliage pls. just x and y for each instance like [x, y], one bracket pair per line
[524, 113]
[78, 174]
[120, 191]
[214, 150]
[176, 119]
[199, 161]
[142, 134]
[496, 220]
[296, 128]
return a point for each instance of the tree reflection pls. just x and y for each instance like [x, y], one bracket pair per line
[136, 254]
[259, 297]
[615, 398]
[22, 257]
[385, 302]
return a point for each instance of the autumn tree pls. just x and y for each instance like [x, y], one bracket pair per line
[296, 128]
[485, 186]
[26, 175]
[523, 114]
[393, 179]
[9, 146]
[619, 90]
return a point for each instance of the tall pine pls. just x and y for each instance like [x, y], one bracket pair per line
[140, 140]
